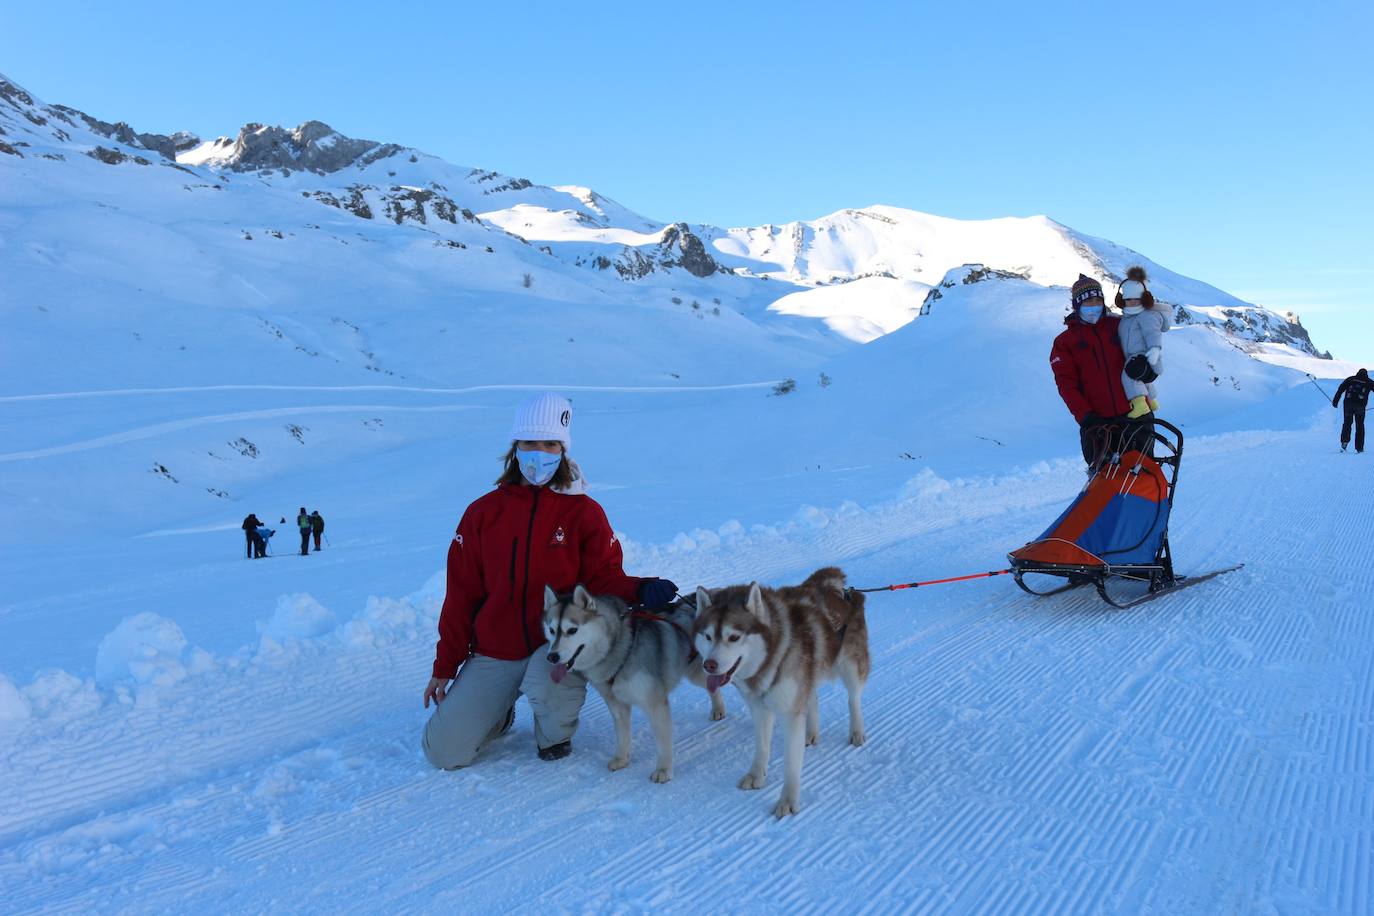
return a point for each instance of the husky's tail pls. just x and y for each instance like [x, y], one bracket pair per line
[834, 577]
[830, 577]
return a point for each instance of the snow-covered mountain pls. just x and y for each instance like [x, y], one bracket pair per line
[301, 260]
[893, 255]
[194, 330]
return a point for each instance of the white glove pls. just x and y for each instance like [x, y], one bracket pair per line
[1152, 355]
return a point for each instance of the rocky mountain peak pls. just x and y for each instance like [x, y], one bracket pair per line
[312, 146]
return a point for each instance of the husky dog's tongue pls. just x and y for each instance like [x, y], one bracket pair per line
[558, 672]
[716, 681]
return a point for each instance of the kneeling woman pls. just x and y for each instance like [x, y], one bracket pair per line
[537, 528]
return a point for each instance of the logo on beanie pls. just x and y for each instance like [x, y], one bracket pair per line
[566, 417]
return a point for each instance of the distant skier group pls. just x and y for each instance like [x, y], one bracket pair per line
[256, 534]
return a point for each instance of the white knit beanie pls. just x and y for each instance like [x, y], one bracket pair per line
[543, 417]
[1132, 289]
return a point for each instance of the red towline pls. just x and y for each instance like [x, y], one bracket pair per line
[893, 588]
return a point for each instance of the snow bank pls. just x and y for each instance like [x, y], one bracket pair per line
[926, 483]
[298, 616]
[384, 621]
[924, 504]
[146, 649]
[59, 696]
[13, 706]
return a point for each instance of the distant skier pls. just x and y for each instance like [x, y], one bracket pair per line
[1141, 332]
[1356, 391]
[250, 527]
[261, 536]
[317, 527]
[1087, 362]
[303, 523]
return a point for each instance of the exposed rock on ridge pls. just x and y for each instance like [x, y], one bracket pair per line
[313, 146]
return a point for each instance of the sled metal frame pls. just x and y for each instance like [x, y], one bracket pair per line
[1164, 442]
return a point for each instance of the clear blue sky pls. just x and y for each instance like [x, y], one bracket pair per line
[1232, 142]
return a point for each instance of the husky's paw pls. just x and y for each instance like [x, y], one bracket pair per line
[752, 780]
[786, 806]
[662, 774]
[856, 737]
[618, 763]
[813, 738]
[717, 713]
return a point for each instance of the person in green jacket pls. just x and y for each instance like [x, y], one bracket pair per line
[303, 523]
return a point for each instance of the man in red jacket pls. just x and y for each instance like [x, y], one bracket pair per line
[537, 528]
[1087, 361]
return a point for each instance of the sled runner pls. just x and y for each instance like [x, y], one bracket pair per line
[1117, 530]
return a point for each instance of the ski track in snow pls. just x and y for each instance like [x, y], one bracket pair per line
[158, 429]
[1206, 753]
[470, 389]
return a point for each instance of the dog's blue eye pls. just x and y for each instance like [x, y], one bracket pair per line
[708, 636]
[570, 630]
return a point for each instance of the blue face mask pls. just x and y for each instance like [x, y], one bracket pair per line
[536, 466]
[1090, 313]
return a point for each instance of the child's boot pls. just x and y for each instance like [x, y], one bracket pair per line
[1140, 406]
[1154, 405]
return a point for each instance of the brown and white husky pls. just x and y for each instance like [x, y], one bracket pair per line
[777, 646]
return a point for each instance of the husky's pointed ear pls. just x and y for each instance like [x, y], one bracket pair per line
[703, 599]
[754, 604]
[550, 598]
[583, 598]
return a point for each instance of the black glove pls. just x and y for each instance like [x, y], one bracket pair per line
[1138, 367]
[1090, 419]
[656, 592]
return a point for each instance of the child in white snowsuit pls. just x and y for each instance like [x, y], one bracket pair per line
[1141, 333]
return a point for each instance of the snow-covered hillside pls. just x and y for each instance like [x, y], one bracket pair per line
[200, 329]
[300, 259]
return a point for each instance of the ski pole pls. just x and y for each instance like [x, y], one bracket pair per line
[1313, 379]
[893, 588]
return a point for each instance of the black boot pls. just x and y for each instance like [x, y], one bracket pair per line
[556, 751]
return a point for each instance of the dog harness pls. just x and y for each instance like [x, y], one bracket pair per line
[649, 615]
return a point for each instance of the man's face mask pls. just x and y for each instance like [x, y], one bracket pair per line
[536, 466]
[1090, 313]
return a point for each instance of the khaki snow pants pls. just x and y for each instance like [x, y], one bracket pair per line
[475, 707]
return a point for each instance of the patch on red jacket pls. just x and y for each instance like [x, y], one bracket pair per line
[559, 538]
[458, 539]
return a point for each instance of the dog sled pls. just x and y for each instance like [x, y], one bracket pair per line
[1115, 534]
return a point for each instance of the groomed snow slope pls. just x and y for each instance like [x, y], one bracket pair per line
[181, 729]
[1207, 753]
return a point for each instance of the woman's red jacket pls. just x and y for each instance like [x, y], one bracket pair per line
[510, 544]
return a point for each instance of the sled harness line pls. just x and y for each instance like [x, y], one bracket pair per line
[893, 588]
